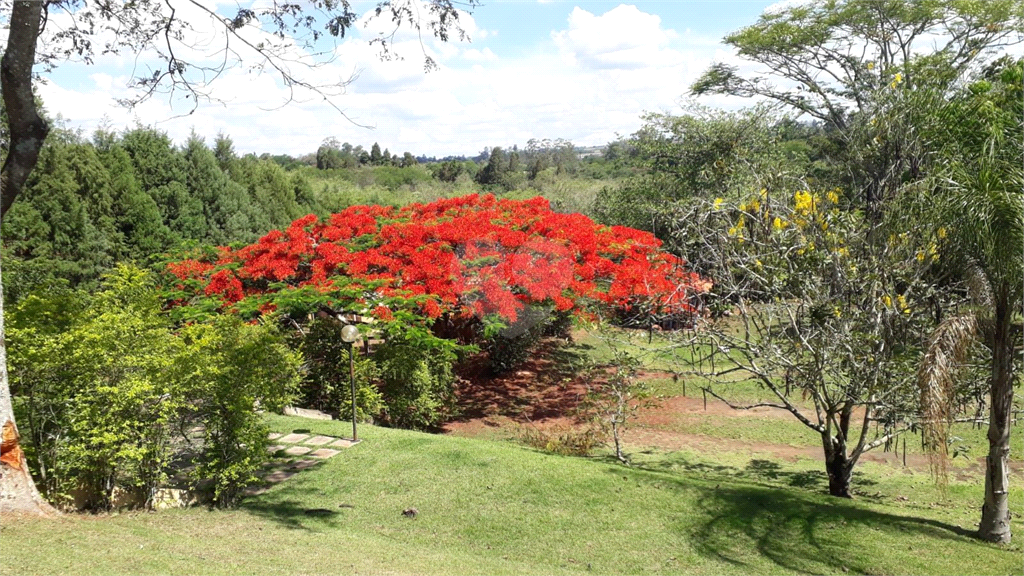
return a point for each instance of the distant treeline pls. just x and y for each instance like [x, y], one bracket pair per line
[136, 196]
[130, 196]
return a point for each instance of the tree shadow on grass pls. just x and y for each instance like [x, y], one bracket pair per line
[765, 472]
[294, 514]
[743, 521]
[804, 534]
[276, 505]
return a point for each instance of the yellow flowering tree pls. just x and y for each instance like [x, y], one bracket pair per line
[831, 315]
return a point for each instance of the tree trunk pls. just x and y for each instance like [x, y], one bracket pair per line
[27, 132]
[17, 490]
[838, 467]
[995, 514]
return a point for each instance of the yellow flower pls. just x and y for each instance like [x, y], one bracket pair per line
[832, 196]
[871, 65]
[803, 202]
[887, 300]
[941, 232]
[903, 304]
[838, 312]
[758, 264]
[718, 203]
[778, 223]
[920, 256]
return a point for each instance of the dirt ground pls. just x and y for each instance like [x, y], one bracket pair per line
[543, 394]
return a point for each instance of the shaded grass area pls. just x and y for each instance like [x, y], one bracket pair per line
[497, 508]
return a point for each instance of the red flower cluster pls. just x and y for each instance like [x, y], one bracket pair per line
[471, 255]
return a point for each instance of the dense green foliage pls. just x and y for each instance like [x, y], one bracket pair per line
[108, 392]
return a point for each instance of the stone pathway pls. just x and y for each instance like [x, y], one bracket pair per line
[295, 453]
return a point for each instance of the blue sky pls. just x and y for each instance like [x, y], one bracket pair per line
[584, 71]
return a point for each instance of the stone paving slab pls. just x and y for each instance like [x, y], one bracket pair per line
[279, 475]
[343, 443]
[274, 435]
[303, 464]
[274, 449]
[318, 440]
[293, 438]
[297, 450]
[324, 453]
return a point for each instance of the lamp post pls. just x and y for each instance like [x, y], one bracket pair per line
[349, 334]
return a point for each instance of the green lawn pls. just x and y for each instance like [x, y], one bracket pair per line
[497, 508]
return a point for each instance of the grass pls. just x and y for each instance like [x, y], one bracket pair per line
[496, 508]
[660, 351]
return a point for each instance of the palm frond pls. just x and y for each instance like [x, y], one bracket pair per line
[936, 380]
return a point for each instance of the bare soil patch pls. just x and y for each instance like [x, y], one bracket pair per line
[545, 394]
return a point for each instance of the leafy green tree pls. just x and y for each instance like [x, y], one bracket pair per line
[271, 192]
[100, 387]
[376, 158]
[831, 60]
[233, 368]
[980, 203]
[329, 156]
[226, 205]
[496, 166]
[139, 222]
[701, 154]
[55, 230]
[224, 152]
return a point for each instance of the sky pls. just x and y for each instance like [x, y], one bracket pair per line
[585, 71]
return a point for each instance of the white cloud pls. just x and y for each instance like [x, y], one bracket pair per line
[474, 55]
[590, 81]
[623, 37]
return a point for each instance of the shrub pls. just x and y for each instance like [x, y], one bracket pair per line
[417, 378]
[511, 345]
[563, 440]
[325, 384]
[106, 390]
[232, 368]
[99, 392]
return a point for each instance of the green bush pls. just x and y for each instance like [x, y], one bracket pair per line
[417, 379]
[325, 384]
[98, 390]
[106, 392]
[509, 346]
[233, 368]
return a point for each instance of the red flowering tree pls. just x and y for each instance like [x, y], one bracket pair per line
[468, 257]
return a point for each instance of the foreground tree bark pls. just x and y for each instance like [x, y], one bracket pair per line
[18, 492]
[995, 513]
[27, 132]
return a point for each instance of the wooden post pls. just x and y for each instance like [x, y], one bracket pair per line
[705, 400]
